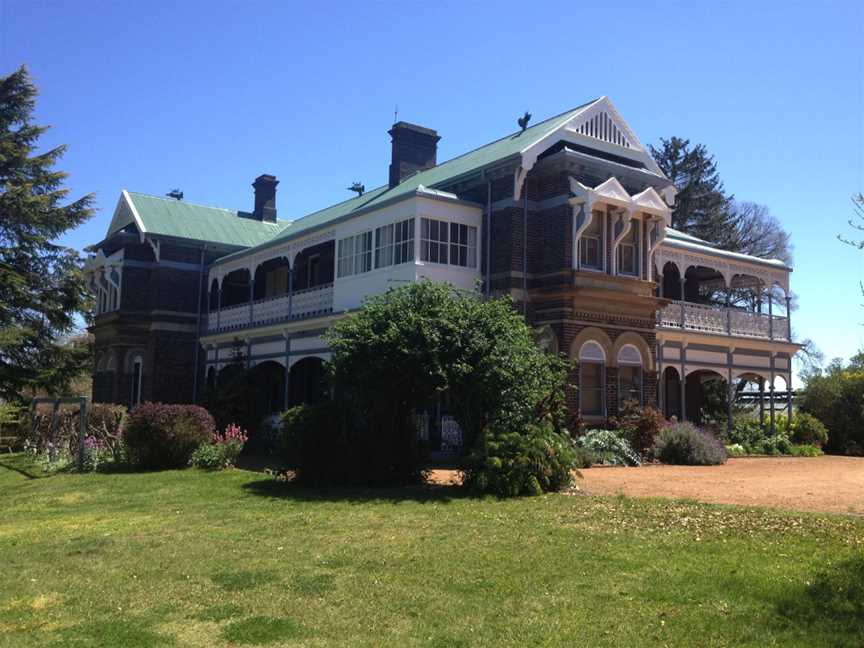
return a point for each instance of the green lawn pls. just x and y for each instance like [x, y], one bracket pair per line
[186, 558]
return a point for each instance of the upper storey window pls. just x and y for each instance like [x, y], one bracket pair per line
[450, 243]
[628, 251]
[355, 254]
[591, 245]
[394, 243]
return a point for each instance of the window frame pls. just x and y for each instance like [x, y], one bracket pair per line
[631, 242]
[352, 263]
[450, 239]
[625, 363]
[399, 249]
[583, 265]
[586, 359]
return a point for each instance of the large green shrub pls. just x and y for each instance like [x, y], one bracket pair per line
[164, 436]
[683, 443]
[413, 343]
[328, 444]
[776, 445]
[527, 462]
[746, 431]
[836, 398]
[609, 447]
[806, 429]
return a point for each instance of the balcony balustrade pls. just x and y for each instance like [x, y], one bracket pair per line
[310, 302]
[719, 320]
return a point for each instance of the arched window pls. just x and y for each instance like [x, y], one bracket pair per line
[592, 363]
[629, 375]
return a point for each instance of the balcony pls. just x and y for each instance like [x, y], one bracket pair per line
[717, 320]
[311, 302]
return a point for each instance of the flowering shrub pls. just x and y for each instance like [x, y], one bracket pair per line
[640, 425]
[222, 451]
[609, 447]
[96, 453]
[683, 443]
[165, 436]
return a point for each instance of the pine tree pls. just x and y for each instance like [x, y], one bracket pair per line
[702, 207]
[42, 287]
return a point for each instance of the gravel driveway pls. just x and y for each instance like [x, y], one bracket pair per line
[828, 484]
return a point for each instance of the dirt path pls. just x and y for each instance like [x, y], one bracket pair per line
[827, 484]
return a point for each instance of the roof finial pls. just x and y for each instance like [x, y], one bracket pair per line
[396, 114]
[176, 194]
[358, 187]
[523, 121]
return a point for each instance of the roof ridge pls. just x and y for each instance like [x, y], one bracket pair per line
[510, 135]
[230, 210]
[453, 159]
[342, 202]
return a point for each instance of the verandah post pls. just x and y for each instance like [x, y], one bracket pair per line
[730, 395]
[771, 396]
[683, 382]
[761, 402]
[770, 316]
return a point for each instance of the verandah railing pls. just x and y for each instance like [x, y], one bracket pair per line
[723, 321]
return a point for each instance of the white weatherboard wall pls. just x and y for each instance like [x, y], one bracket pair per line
[348, 292]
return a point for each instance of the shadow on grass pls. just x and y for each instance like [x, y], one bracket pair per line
[291, 490]
[831, 604]
[24, 466]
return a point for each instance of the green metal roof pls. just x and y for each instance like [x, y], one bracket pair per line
[466, 163]
[181, 219]
[683, 236]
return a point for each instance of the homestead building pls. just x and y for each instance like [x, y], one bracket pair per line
[570, 216]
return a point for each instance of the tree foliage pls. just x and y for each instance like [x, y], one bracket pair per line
[704, 209]
[836, 397]
[411, 343]
[41, 282]
[759, 233]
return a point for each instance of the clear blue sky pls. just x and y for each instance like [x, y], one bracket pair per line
[205, 96]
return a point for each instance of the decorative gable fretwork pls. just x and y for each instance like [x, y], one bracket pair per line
[601, 126]
[611, 192]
